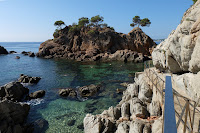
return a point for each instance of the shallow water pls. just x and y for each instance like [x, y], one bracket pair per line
[59, 73]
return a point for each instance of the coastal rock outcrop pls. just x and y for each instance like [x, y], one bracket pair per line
[27, 79]
[131, 115]
[14, 91]
[90, 90]
[105, 44]
[180, 51]
[12, 117]
[37, 94]
[3, 50]
[68, 92]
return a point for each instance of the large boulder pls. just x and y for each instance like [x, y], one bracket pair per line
[14, 91]
[37, 94]
[67, 92]
[87, 91]
[180, 51]
[96, 124]
[12, 117]
[3, 50]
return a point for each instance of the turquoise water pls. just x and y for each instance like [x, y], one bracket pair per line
[60, 73]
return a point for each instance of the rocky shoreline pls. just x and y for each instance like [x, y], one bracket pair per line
[13, 112]
[136, 112]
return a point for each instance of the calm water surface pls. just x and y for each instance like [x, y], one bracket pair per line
[59, 73]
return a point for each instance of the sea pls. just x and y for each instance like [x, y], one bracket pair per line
[56, 112]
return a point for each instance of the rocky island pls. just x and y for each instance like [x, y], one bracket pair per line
[93, 43]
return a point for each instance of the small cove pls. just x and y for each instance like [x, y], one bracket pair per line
[60, 73]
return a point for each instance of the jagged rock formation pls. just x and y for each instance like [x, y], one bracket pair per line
[100, 44]
[133, 114]
[3, 50]
[180, 51]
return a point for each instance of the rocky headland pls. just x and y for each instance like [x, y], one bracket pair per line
[93, 44]
[139, 110]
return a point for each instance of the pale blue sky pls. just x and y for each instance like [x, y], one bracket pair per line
[32, 20]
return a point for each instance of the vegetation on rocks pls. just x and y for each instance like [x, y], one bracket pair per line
[137, 21]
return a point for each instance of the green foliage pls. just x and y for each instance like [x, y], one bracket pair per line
[137, 21]
[56, 33]
[194, 1]
[145, 22]
[112, 28]
[59, 24]
[91, 32]
[83, 21]
[74, 28]
[97, 20]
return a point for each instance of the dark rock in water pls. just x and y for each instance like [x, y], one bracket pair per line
[68, 92]
[26, 79]
[17, 57]
[36, 94]
[31, 54]
[40, 125]
[71, 122]
[80, 126]
[87, 91]
[3, 50]
[25, 53]
[14, 91]
[12, 52]
[13, 116]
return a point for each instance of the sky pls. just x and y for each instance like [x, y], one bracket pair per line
[32, 20]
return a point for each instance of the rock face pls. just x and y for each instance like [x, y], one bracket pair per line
[101, 45]
[12, 117]
[3, 50]
[131, 115]
[14, 91]
[180, 51]
[27, 79]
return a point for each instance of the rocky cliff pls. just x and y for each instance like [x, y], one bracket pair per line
[179, 53]
[91, 44]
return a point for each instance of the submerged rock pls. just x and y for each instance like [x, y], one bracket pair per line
[27, 79]
[17, 57]
[71, 122]
[14, 91]
[3, 50]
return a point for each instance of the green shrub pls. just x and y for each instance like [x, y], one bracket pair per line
[56, 33]
[91, 32]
